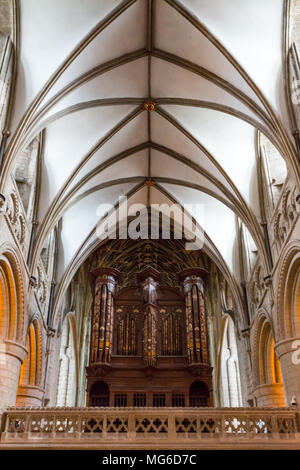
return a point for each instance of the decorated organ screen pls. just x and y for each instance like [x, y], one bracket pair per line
[148, 340]
[130, 321]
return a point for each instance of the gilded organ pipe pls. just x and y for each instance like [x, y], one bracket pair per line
[104, 285]
[196, 328]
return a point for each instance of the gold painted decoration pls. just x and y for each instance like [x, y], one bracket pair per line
[149, 106]
[130, 256]
[102, 317]
[171, 327]
[127, 331]
[196, 328]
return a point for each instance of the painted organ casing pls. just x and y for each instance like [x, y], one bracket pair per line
[149, 341]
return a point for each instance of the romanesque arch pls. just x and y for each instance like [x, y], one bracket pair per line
[11, 299]
[268, 382]
[288, 293]
[30, 392]
[288, 319]
[12, 349]
[228, 366]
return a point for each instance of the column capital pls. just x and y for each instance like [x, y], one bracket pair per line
[287, 346]
[14, 349]
[270, 395]
[193, 274]
[105, 275]
[29, 395]
[105, 272]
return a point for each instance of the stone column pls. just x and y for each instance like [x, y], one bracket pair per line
[104, 285]
[29, 395]
[148, 279]
[196, 327]
[11, 357]
[269, 395]
[288, 352]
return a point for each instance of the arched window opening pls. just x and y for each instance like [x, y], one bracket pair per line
[11, 308]
[269, 389]
[6, 298]
[30, 369]
[276, 365]
[11, 328]
[230, 383]
[292, 299]
[199, 394]
[270, 369]
[99, 394]
[67, 376]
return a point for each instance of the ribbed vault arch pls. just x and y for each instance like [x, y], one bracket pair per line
[198, 143]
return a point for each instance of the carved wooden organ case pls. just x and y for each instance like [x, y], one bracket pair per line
[149, 344]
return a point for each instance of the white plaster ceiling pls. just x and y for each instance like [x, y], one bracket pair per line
[212, 67]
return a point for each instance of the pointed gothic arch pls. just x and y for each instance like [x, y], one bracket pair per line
[288, 293]
[228, 364]
[30, 391]
[67, 386]
[11, 298]
[30, 373]
[269, 390]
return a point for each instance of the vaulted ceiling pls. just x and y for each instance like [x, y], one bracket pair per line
[214, 71]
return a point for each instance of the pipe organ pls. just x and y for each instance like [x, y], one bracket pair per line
[127, 331]
[149, 340]
[196, 329]
[171, 328]
[148, 280]
[103, 315]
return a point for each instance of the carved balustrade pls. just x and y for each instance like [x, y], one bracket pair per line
[105, 426]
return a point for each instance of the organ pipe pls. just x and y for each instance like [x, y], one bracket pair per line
[104, 281]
